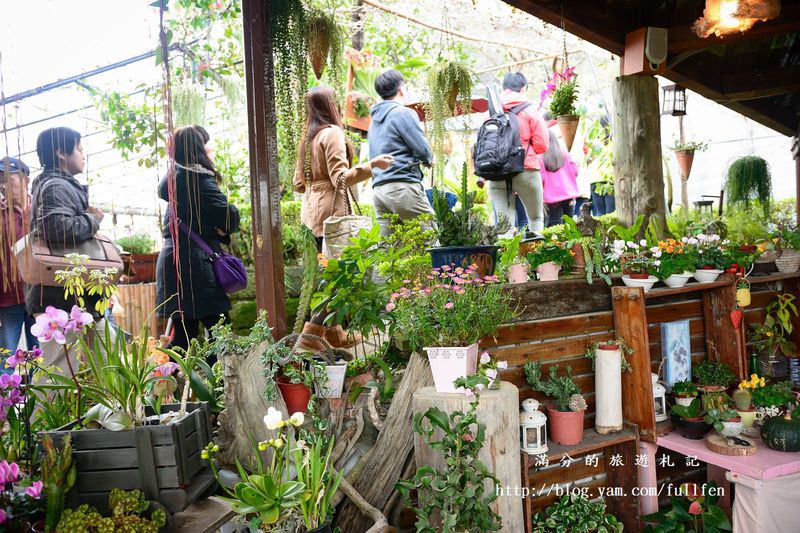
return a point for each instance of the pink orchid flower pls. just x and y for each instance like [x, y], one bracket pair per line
[35, 490]
[50, 325]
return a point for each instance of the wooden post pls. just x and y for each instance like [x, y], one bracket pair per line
[264, 180]
[501, 449]
[639, 180]
[630, 323]
[723, 342]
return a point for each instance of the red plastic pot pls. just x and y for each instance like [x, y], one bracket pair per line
[639, 275]
[295, 395]
[608, 347]
[565, 427]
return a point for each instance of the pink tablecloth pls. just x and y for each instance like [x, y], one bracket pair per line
[764, 464]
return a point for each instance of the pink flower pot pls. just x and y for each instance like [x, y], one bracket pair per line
[518, 273]
[565, 427]
[548, 271]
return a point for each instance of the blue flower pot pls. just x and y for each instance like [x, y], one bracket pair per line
[485, 257]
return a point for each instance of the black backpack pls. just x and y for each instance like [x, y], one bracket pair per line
[498, 153]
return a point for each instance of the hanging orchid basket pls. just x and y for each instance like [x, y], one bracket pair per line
[563, 92]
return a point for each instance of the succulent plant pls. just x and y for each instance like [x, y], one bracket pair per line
[577, 403]
[126, 508]
[742, 399]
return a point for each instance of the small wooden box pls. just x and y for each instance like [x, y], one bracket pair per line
[163, 461]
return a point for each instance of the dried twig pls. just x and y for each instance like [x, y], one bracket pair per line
[379, 519]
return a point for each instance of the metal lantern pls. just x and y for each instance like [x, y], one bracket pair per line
[674, 100]
[534, 428]
[659, 399]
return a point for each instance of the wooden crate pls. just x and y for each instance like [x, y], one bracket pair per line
[163, 461]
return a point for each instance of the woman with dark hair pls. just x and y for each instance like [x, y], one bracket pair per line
[187, 290]
[559, 178]
[324, 173]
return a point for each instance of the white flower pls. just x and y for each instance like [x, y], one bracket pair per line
[274, 419]
[631, 244]
[502, 365]
[479, 386]
[643, 243]
[297, 419]
[772, 411]
[485, 358]
[657, 262]
[491, 373]
[654, 249]
[685, 239]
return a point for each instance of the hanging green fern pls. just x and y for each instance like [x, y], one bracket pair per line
[309, 258]
[289, 44]
[749, 179]
[449, 87]
[188, 105]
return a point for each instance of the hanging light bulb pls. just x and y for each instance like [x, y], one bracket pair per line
[724, 17]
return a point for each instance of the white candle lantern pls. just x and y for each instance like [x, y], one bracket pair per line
[659, 399]
[534, 428]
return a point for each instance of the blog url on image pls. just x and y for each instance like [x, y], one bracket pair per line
[562, 489]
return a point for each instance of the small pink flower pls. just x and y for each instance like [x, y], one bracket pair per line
[468, 437]
[406, 281]
[491, 373]
[446, 268]
[429, 276]
[2, 516]
[50, 325]
[458, 281]
[35, 490]
[78, 319]
[390, 306]
[9, 472]
[485, 358]
[427, 290]
[449, 305]
[695, 508]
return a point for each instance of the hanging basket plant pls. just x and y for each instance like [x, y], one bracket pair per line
[325, 46]
[749, 179]
[449, 87]
[563, 92]
[684, 153]
[188, 104]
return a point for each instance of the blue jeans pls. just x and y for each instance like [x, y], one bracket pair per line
[12, 320]
[601, 204]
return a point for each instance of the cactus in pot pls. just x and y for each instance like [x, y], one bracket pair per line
[742, 399]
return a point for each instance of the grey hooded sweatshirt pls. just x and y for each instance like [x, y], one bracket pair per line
[396, 130]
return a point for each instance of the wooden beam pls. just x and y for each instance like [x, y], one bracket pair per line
[683, 39]
[264, 179]
[761, 83]
[585, 21]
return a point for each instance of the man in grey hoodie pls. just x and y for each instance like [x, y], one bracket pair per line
[396, 130]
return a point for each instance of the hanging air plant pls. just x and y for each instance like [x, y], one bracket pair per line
[450, 86]
[288, 26]
[749, 179]
[188, 105]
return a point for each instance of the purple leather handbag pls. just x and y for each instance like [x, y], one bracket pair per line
[229, 270]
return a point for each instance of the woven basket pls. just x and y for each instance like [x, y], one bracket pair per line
[789, 261]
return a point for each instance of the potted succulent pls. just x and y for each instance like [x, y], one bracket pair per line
[448, 317]
[563, 89]
[141, 260]
[726, 421]
[464, 239]
[637, 261]
[512, 263]
[684, 392]
[688, 420]
[609, 360]
[548, 258]
[710, 256]
[575, 512]
[566, 414]
[773, 337]
[713, 376]
[676, 265]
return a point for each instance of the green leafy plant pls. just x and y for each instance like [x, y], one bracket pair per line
[126, 509]
[449, 84]
[509, 253]
[713, 373]
[564, 93]
[775, 333]
[715, 417]
[778, 395]
[315, 471]
[78, 281]
[551, 251]
[138, 244]
[749, 179]
[625, 350]
[406, 257]
[684, 388]
[631, 233]
[693, 511]
[58, 476]
[708, 250]
[692, 411]
[457, 491]
[574, 512]
[561, 388]
[386, 389]
[463, 227]
[691, 146]
[450, 311]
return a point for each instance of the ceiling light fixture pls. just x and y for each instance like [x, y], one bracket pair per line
[724, 17]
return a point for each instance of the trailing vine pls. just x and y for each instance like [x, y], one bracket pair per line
[749, 179]
[449, 87]
[326, 43]
[288, 26]
[309, 277]
[593, 257]
[188, 104]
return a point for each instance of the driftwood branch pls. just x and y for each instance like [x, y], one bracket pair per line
[373, 410]
[381, 524]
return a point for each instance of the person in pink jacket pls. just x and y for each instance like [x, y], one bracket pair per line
[559, 178]
[533, 136]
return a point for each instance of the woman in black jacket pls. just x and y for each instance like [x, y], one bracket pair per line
[188, 292]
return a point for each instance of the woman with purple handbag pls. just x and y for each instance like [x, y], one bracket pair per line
[193, 290]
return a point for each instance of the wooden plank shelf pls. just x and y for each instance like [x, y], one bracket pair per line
[592, 442]
[769, 278]
[658, 292]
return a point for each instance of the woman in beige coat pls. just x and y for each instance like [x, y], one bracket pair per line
[323, 176]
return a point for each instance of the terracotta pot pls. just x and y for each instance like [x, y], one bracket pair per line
[143, 268]
[565, 427]
[639, 275]
[568, 124]
[518, 273]
[360, 379]
[295, 395]
[710, 388]
[580, 260]
[548, 271]
[685, 159]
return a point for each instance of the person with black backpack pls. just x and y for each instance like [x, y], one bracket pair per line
[507, 151]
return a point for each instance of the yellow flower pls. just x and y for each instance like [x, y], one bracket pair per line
[262, 446]
[215, 448]
[278, 443]
[204, 454]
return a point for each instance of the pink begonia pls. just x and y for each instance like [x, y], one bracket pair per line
[50, 325]
[35, 490]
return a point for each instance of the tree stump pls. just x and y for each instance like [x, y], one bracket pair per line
[385, 462]
[499, 410]
[639, 181]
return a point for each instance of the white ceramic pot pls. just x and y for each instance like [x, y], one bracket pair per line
[518, 273]
[548, 271]
[450, 363]
[608, 390]
[677, 280]
[335, 384]
[706, 276]
[732, 429]
[684, 400]
[645, 284]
